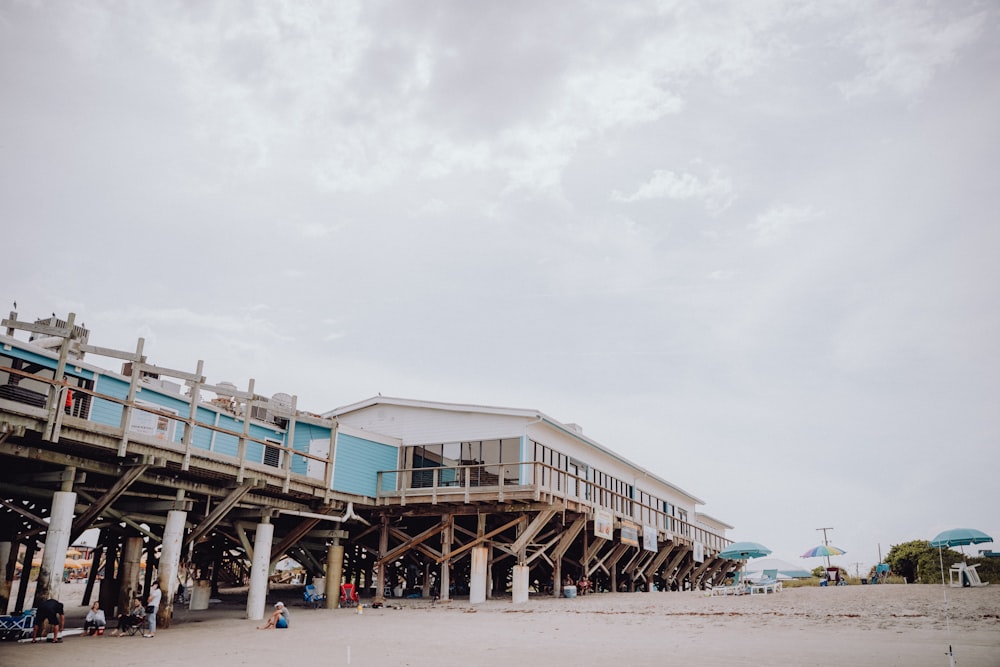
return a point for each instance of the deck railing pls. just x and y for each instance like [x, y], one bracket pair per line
[534, 480]
[47, 391]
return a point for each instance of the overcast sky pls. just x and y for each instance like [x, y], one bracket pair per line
[752, 246]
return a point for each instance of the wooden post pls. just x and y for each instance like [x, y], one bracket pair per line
[22, 589]
[447, 537]
[242, 447]
[383, 548]
[188, 438]
[95, 561]
[286, 464]
[129, 407]
[57, 396]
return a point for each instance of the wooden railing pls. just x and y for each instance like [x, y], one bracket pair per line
[535, 479]
[56, 392]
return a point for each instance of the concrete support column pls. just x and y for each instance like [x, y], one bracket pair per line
[490, 584]
[477, 578]
[50, 575]
[130, 572]
[521, 582]
[334, 573]
[259, 569]
[170, 559]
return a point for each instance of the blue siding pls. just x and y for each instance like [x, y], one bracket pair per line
[203, 436]
[358, 462]
[228, 444]
[304, 435]
[106, 412]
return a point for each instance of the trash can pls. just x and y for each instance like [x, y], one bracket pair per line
[569, 591]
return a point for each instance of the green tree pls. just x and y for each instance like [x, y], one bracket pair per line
[918, 562]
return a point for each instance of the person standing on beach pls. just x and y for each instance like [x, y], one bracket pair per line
[53, 612]
[152, 606]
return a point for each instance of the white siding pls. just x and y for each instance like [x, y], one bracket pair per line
[423, 426]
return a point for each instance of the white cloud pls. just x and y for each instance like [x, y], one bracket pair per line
[904, 45]
[716, 192]
[776, 222]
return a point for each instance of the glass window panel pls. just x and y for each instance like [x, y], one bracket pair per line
[510, 456]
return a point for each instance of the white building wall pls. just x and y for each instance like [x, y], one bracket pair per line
[611, 465]
[419, 425]
[422, 426]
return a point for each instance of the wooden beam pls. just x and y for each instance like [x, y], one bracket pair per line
[83, 521]
[481, 539]
[568, 537]
[25, 513]
[393, 554]
[219, 511]
[533, 528]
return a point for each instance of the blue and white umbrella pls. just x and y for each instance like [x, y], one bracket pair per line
[960, 537]
[956, 537]
[744, 550]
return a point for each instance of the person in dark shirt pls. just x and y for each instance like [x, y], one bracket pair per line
[53, 612]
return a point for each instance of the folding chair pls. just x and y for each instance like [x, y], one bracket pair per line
[140, 628]
[17, 626]
[348, 594]
[313, 597]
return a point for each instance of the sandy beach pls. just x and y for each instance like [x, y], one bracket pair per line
[901, 625]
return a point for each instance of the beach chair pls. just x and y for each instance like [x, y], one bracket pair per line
[881, 573]
[313, 597]
[738, 587]
[348, 594]
[768, 583]
[966, 574]
[17, 626]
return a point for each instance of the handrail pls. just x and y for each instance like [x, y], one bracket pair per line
[186, 422]
[559, 483]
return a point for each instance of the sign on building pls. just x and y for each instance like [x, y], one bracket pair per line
[649, 538]
[630, 533]
[604, 524]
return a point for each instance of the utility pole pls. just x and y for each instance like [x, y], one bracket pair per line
[826, 543]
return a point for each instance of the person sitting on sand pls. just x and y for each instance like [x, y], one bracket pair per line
[583, 586]
[95, 621]
[279, 619]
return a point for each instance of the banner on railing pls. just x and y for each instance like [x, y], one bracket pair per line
[699, 552]
[604, 524]
[630, 533]
[154, 426]
[649, 538]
